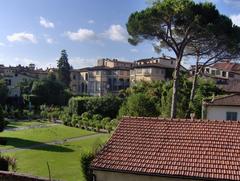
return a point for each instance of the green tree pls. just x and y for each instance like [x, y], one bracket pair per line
[3, 123]
[138, 105]
[170, 24]
[64, 68]
[3, 92]
[49, 92]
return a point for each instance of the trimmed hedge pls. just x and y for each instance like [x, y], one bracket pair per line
[106, 106]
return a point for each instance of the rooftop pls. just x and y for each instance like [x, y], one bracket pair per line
[226, 100]
[173, 148]
[227, 66]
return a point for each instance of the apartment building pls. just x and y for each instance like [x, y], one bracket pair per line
[13, 76]
[112, 75]
[222, 72]
[151, 69]
[109, 76]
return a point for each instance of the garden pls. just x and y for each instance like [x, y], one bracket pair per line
[34, 148]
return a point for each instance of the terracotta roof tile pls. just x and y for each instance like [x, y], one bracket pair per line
[228, 100]
[203, 149]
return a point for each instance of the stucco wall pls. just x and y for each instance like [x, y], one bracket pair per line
[219, 112]
[114, 176]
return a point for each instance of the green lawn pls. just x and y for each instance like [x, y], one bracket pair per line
[64, 160]
[34, 136]
[19, 124]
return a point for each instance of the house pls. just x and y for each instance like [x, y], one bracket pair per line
[221, 72]
[13, 76]
[222, 108]
[153, 69]
[109, 76]
[157, 149]
[112, 75]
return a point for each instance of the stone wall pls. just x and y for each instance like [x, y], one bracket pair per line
[11, 176]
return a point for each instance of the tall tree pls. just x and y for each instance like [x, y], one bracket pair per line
[170, 24]
[221, 42]
[3, 91]
[64, 68]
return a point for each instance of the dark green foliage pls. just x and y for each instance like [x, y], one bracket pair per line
[106, 106]
[3, 164]
[7, 162]
[159, 94]
[64, 68]
[177, 25]
[3, 123]
[3, 92]
[48, 91]
[205, 89]
[85, 161]
[138, 105]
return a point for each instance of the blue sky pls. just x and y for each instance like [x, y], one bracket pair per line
[35, 31]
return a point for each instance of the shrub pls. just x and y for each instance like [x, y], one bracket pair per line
[3, 123]
[109, 127]
[138, 105]
[85, 161]
[105, 121]
[75, 120]
[6, 162]
[106, 106]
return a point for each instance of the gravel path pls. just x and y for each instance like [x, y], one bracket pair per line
[31, 127]
[56, 142]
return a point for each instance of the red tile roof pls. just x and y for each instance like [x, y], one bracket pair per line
[227, 66]
[173, 148]
[228, 100]
[232, 86]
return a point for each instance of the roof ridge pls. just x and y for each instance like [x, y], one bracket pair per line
[224, 96]
[177, 119]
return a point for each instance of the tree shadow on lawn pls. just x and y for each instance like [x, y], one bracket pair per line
[34, 145]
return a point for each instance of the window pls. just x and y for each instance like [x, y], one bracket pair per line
[224, 74]
[213, 72]
[231, 116]
[74, 77]
[97, 72]
[97, 86]
[231, 75]
[217, 72]
[8, 82]
[132, 72]
[207, 70]
[147, 71]
[138, 71]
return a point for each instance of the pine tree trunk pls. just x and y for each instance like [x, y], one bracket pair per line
[194, 86]
[175, 87]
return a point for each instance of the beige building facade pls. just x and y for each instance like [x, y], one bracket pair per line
[13, 76]
[109, 76]
[117, 176]
[152, 69]
[112, 75]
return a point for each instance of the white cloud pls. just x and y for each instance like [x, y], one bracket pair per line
[46, 23]
[236, 19]
[48, 39]
[134, 50]
[78, 62]
[22, 36]
[91, 21]
[117, 33]
[82, 35]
